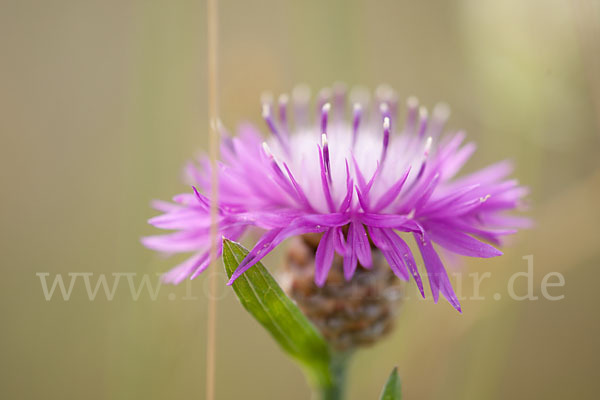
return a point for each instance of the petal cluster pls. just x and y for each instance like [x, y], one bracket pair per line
[355, 174]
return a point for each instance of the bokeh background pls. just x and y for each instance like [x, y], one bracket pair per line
[103, 101]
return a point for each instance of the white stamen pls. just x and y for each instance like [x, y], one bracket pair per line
[325, 116]
[267, 150]
[266, 110]
[386, 123]
[428, 146]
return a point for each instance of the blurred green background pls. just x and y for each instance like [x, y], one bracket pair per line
[103, 101]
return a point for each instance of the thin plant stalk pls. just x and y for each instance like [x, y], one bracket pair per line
[339, 370]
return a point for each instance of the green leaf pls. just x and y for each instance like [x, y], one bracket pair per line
[263, 298]
[392, 389]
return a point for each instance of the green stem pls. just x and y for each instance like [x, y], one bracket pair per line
[339, 367]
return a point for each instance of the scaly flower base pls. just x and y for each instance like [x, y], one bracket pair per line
[349, 314]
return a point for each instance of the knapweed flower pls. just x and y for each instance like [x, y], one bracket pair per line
[358, 177]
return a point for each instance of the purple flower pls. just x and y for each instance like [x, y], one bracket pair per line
[358, 179]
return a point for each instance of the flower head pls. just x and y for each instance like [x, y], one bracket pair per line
[355, 175]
